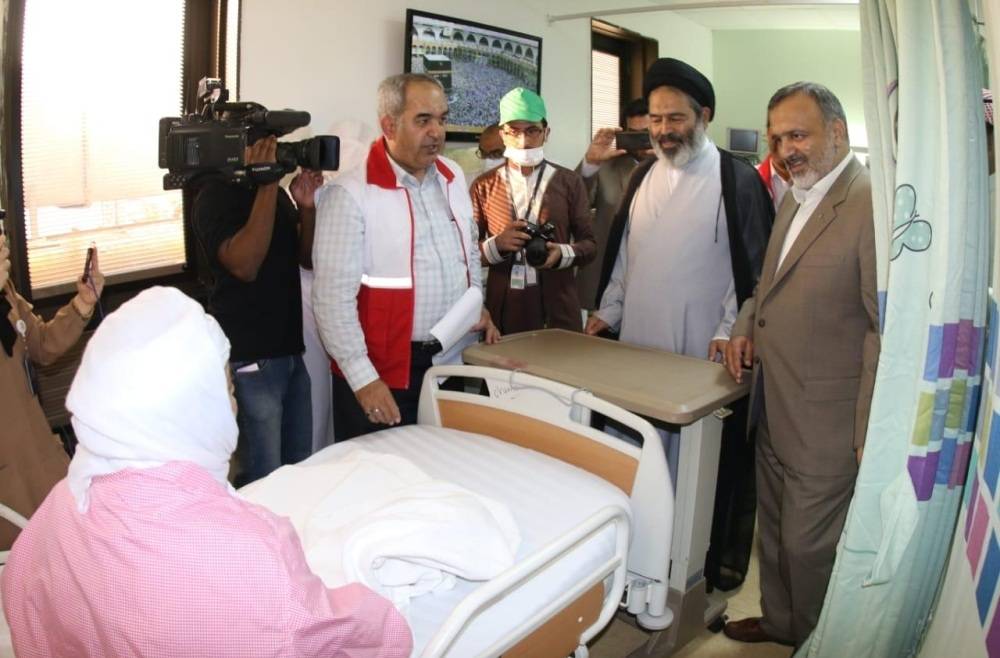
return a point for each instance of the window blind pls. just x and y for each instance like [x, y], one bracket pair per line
[96, 78]
[605, 91]
[231, 80]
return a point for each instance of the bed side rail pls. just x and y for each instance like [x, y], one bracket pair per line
[486, 596]
[651, 493]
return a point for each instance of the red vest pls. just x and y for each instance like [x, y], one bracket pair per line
[385, 298]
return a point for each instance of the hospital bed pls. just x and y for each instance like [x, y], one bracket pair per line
[590, 508]
[684, 394]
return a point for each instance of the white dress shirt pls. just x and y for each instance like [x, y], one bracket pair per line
[808, 201]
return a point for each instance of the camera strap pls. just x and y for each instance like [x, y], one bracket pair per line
[265, 173]
[531, 201]
[523, 275]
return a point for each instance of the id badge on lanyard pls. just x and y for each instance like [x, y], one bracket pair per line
[522, 274]
[518, 272]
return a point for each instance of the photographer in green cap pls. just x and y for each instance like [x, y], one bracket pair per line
[534, 225]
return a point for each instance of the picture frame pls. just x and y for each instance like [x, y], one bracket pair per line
[476, 64]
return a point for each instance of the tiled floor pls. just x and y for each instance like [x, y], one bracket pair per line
[620, 639]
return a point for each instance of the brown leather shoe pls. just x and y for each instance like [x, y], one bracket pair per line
[749, 630]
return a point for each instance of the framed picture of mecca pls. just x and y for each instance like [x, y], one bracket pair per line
[477, 64]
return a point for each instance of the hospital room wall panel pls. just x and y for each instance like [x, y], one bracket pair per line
[603, 461]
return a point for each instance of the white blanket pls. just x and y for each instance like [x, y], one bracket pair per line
[378, 519]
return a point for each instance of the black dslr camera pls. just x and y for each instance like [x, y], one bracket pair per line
[215, 141]
[535, 251]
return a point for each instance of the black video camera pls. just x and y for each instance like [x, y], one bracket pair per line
[535, 251]
[216, 140]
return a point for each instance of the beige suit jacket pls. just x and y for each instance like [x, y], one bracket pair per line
[814, 326]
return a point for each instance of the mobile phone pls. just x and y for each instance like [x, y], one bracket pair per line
[633, 140]
[87, 265]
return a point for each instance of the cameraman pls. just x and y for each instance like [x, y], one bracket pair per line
[521, 296]
[254, 240]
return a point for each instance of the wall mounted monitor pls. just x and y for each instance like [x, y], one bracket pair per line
[744, 140]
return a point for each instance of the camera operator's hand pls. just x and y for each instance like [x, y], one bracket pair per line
[602, 148]
[552, 260]
[263, 150]
[513, 238]
[378, 404]
[304, 186]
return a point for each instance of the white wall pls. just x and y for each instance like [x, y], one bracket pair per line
[328, 57]
[678, 37]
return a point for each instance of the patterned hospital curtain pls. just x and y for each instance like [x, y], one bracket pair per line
[967, 621]
[924, 119]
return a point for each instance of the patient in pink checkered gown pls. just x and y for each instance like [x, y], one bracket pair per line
[144, 549]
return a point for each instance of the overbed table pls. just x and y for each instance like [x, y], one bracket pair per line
[688, 393]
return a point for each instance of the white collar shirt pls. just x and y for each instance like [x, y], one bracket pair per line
[808, 201]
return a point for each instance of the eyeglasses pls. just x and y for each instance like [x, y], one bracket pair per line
[487, 155]
[530, 131]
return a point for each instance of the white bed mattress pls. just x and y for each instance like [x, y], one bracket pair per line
[547, 498]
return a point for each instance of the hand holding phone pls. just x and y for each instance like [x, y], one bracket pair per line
[88, 264]
[633, 141]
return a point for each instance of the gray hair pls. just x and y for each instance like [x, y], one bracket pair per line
[392, 92]
[828, 104]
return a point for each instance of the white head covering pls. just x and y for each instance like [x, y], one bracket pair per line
[152, 389]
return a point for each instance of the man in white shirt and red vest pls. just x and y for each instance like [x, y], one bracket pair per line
[395, 249]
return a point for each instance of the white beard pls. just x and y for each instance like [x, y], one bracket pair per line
[826, 162]
[684, 153]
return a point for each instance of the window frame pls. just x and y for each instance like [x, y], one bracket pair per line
[204, 55]
[635, 53]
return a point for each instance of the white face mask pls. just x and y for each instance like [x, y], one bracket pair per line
[524, 157]
[492, 163]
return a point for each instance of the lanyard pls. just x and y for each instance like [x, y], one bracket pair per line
[531, 201]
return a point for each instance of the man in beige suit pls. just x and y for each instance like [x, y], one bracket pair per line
[811, 334]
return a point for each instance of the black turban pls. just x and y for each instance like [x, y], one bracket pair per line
[671, 72]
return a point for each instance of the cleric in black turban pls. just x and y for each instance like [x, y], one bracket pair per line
[670, 72]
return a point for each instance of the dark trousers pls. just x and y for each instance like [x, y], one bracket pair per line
[350, 420]
[735, 504]
[274, 415]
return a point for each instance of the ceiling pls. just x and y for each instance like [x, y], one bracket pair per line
[812, 15]
[773, 18]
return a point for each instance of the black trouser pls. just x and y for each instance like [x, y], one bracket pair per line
[350, 420]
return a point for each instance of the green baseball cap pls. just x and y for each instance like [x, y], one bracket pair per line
[520, 104]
